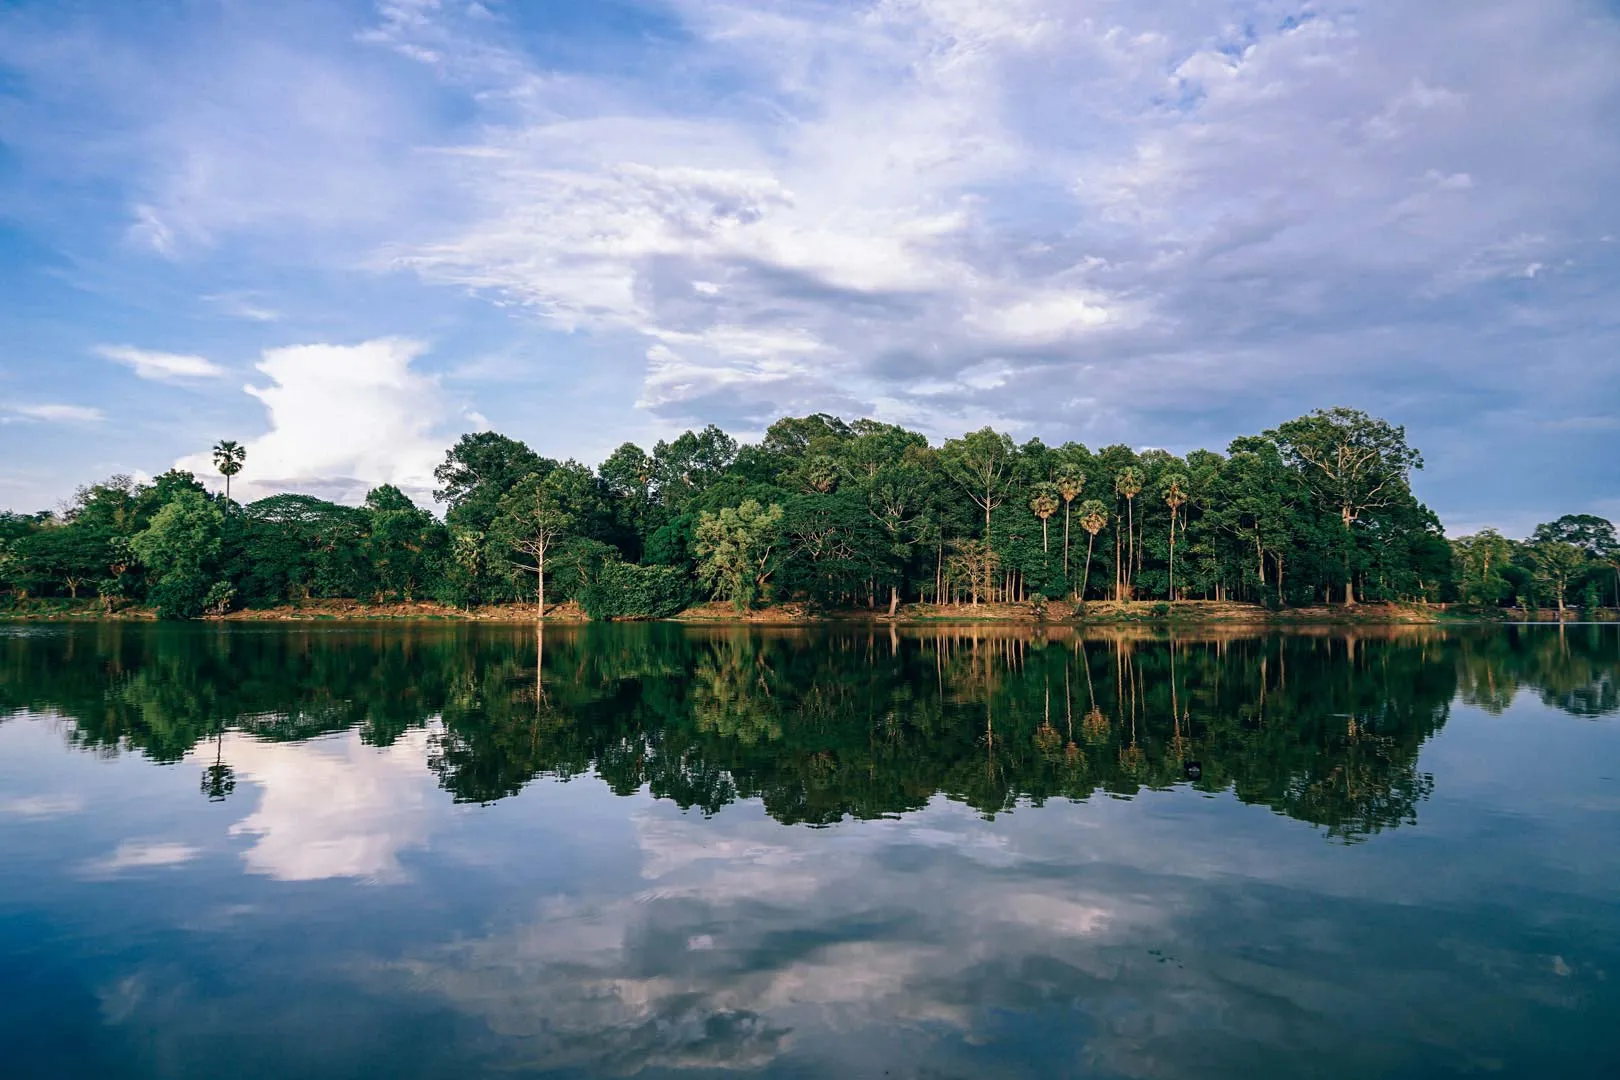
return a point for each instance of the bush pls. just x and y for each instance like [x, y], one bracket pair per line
[619, 590]
[180, 595]
[1161, 609]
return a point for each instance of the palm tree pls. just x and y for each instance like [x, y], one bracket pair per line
[1044, 505]
[228, 458]
[1093, 517]
[1175, 497]
[1129, 484]
[1071, 481]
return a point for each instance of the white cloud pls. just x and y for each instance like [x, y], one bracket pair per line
[42, 806]
[343, 419]
[162, 366]
[334, 808]
[142, 855]
[60, 414]
[1173, 221]
[244, 306]
[913, 189]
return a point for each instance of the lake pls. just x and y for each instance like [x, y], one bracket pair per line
[448, 850]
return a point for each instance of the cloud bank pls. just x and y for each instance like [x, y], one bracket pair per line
[343, 419]
[1165, 223]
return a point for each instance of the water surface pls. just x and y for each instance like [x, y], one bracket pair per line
[451, 850]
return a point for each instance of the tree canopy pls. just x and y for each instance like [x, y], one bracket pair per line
[829, 513]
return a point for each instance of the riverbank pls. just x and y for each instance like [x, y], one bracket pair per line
[1094, 613]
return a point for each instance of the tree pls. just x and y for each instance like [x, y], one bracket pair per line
[1592, 534]
[974, 563]
[1482, 560]
[1355, 464]
[478, 471]
[1175, 497]
[1093, 519]
[1071, 481]
[229, 456]
[180, 547]
[692, 463]
[980, 462]
[1556, 563]
[1128, 482]
[531, 520]
[734, 547]
[891, 468]
[404, 545]
[1044, 504]
[1255, 497]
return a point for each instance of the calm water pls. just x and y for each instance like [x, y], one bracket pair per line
[382, 851]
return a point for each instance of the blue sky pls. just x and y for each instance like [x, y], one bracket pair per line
[344, 233]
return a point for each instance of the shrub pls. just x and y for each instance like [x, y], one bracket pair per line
[1161, 609]
[619, 590]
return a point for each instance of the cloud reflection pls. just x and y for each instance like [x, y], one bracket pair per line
[334, 808]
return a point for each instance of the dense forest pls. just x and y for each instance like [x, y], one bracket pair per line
[829, 514]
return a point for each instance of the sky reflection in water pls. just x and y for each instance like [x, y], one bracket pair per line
[1399, 860]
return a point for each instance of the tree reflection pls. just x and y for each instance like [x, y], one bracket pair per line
[826, 724]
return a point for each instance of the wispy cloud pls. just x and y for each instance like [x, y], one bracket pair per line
[59, 414]
[244, 306]
[1099, 201]
[42, 806]
[162, 366]
[141, 855]
[1165, 223]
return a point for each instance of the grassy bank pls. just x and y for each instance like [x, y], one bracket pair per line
[1094, 613]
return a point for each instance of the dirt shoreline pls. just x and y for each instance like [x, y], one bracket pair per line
[1095, 613]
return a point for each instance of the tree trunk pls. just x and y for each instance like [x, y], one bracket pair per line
[1091, 539]
[1044, 548]
[894, 600]
[1130, 554]
[1119, 569]
[1349, 542]
[1172, 558]
[1065, 539]
[540, 589]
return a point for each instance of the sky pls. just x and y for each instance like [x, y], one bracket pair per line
[345, 233]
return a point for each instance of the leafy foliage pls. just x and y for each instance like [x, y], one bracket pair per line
[833, 514]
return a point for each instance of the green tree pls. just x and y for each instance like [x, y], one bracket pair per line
[1557, 563]
[1592, 534]
[229, 457]
[404, 545]
[530, 521]
[735, 547]
[1128, 483]
[1482, 561]
[1093, 519]
[982, 463]
[1071, 481]
[1355, 464]
[1175, 497]
[181, 548]
[1043, 505]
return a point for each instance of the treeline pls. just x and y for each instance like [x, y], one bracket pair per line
[823, 512]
